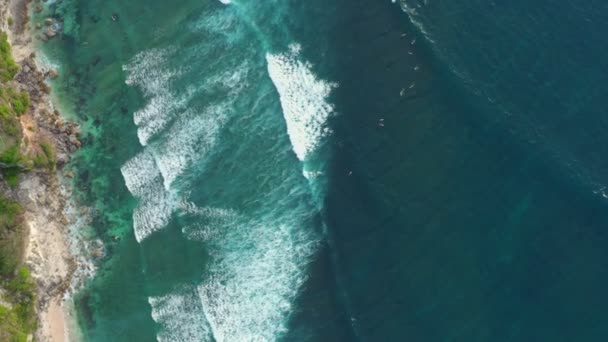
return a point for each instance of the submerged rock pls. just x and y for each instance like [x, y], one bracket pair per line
[50, 32]
[53, 74]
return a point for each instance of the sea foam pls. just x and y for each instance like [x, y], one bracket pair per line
[258, 267]
[144, 181]
[180, 316]
[304, 100]
[147, 71]
[189, 139]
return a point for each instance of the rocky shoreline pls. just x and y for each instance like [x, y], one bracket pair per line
[40, 191]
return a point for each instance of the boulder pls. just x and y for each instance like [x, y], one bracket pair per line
[53, 74]
[49, 32]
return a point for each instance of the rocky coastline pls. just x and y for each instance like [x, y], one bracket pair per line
[40, 191]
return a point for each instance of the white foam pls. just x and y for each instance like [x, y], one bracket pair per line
[147, 71]
[149, 175]
[250, 292]
[257, 269]
[188, 134]
[181, 316]
[415, 19]
[207, 212]
[139, 172]
[154, 117]
[304, 99]
[144, 181]
[189, 139]
[234, 80]
[310, 175]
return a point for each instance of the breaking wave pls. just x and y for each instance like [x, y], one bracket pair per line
[180, 315]
[304, 100]
[260, 257]
[258, 268]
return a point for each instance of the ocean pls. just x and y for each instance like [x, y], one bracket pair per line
[421, 170]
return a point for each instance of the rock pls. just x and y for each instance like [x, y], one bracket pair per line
[97, 253]
[69, 174]
[62, 159]
[38, 26]
[53, 74]
[38, 9]
[48, 21]
[49, 32]
[74, 141]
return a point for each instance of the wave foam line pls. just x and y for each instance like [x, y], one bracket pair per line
[304, 100]
[257, 271]
[415, 18]
[144, 181]
[188, 140]
[181, 317]
[146, 71]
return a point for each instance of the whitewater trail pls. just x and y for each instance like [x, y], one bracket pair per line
[304, 100]
[259, 266]
[174, 134]
[144, 181]
[181, 315]
[259, 260]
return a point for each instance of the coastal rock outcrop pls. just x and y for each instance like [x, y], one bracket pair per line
[65, 134]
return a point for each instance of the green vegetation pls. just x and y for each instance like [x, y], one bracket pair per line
[20, 101]
[15, 153]
[17, 289]
[10, 21]
[8, 67]
[12, 236]
[11, 156]
[49, 152]
[11, 175]
[19, 320]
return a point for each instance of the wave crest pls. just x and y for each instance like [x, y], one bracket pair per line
[304, 100]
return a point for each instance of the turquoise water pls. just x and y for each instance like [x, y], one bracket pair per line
[338, 170]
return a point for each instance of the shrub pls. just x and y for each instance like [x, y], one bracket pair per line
[11, 176]
[11, 237]
[19, 321]
[8, 67]
[20, 102]
[49, 152]
[12, 156]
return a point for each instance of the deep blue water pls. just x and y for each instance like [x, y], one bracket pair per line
[341, 170]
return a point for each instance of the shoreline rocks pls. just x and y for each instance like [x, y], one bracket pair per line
[65, 134]
[40, 191]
